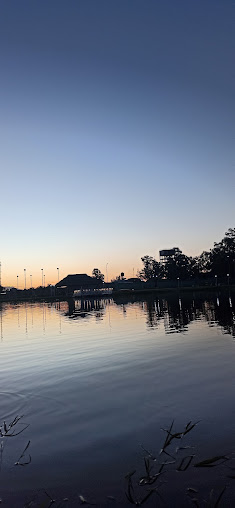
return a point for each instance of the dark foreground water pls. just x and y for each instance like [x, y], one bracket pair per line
[94, 380]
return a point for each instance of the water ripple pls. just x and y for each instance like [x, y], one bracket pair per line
[12, 404]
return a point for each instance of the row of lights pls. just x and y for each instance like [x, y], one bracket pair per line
[31, 278]
[228, 275]
[216, 278]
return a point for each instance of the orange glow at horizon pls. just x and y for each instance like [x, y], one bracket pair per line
[50, 277]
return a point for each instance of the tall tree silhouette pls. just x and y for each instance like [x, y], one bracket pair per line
[96, 273]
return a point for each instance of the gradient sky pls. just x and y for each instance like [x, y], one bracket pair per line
[116, 129]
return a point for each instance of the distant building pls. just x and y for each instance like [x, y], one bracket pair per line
[132, 283]
[79, 281]
[165, 254]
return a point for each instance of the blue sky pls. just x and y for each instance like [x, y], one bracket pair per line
[116, 128]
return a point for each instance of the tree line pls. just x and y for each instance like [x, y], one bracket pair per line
[218, 262]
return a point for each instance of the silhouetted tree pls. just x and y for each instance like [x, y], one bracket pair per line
[195, 267]
[96, 273]
[204, 263]
[152, 269]
[178, 266]
[218, 261]
[223, 255]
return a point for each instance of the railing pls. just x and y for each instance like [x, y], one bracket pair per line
[92, 292]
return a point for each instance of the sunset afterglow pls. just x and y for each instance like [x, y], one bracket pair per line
[116, 134]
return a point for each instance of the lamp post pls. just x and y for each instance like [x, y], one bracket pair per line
[228, 263]
[31, 281]
[17, 277]
[106, 272]
[42, 276]
[25, 278]
[58, 274]
[228, 278]
[44, 281]
[178, 282]
[216, 280]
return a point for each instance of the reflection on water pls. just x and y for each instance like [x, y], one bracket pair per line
[94, 378]
[175, 313]
[84, 308]
[178, 313]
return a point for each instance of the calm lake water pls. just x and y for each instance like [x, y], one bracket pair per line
[95, 380]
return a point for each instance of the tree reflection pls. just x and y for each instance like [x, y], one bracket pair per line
[80, 309]
[221, 311]
[177, 313]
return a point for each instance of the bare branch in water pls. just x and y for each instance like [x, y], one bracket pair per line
[18, 463]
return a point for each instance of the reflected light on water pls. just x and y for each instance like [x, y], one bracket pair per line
[175, 315]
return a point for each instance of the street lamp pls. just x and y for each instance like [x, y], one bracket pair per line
[228, 278]
[228, 263]
[44, 281]
[31, 280]
[42, 276]
[17, 282]
[216, 280]
[178, 282]
[58, 274]
[25, 278]
[106, 272]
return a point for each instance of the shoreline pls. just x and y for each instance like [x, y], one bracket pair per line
[121, 292]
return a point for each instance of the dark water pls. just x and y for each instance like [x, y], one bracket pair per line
[95, 380]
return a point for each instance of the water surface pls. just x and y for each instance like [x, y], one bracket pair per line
[95, 379]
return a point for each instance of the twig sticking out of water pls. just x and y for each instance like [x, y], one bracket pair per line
[52, 501]
[84, 501]
[131, 495]
[177, 435]
[185, 463]
[18, 463]
[148, 480]
[9, 431]
[213, 461]
[211, 503]
[153, 470]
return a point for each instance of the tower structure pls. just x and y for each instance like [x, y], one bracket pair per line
[165, 254]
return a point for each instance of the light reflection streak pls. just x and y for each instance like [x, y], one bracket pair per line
[1, 323]
[26, 319]
[173, 314]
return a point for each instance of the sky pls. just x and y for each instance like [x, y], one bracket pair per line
[116, 130]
